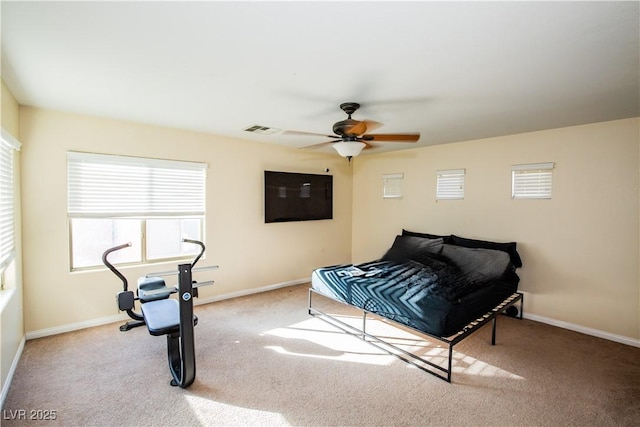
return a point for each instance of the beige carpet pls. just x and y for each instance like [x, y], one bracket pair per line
[262, 360]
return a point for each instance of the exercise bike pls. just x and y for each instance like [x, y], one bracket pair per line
[163, 315]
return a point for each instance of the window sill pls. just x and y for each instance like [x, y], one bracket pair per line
[5, 296]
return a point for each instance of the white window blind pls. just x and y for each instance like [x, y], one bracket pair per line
[7, 198]
[450, 184]
[120, 186]
[532, 181]
[392, 185]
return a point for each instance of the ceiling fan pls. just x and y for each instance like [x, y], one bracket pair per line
[350, 136]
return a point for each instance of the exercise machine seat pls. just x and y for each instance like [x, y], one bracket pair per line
[163, 316]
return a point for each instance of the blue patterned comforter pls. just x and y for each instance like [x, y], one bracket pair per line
[432, 296]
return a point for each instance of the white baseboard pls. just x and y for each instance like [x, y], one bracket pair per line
[251, 291]
[583, 329]
[70, 327]
[11, 373]
[121, 317]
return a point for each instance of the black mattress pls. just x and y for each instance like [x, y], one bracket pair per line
[440, 294]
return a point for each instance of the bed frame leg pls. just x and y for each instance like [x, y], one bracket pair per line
[495, 317]
[364, 325]
[493, 331]
[450, 363]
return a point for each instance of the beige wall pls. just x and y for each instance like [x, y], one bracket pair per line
[11, 322]
[580, 249]
[10, 111]
[250, 253]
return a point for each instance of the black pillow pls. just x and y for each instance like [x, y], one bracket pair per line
[425, 235]
[478, 264]
[414, 248]
[509, 248]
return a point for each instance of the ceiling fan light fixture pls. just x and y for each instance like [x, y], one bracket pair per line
[349, 149]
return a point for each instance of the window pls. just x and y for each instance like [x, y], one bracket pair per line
[532, 181]
[450, 184]
[8, 144]
[151, 203]
[392, 186]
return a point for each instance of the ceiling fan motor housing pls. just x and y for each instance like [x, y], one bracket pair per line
[343, 126]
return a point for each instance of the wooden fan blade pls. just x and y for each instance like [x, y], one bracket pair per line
[320, 144]
[362, 127]
[357, 129]
[372, 125]
[296, 132]
[368, 145]
[392, 137]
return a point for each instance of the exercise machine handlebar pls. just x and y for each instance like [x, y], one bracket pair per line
[175, 273]
[125, 283]
[126, 298]
[202, 249]
[173, 290]
[105, 261]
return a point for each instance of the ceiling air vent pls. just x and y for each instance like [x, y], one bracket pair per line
[263, 130]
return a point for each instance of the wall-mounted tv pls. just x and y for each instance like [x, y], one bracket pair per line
[290, 196]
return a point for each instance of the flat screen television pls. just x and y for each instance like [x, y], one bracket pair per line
[290, 196]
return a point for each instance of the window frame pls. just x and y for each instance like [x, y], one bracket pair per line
[134, 212]
[447, 178]
[393, 186]
[143, 255]
[537, 177]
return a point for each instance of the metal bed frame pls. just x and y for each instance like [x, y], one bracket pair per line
[406, 356]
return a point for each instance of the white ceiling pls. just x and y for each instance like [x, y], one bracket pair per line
[450, 70]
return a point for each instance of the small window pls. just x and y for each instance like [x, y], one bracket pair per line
[392, 186]
[450, 184]
[532, 181]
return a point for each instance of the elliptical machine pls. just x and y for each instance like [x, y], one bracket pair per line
[163, 315]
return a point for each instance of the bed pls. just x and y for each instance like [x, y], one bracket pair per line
[445, 287]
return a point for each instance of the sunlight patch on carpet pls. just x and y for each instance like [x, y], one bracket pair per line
[331, 344]
[210, 412]
[337, 345]
[470, 366]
